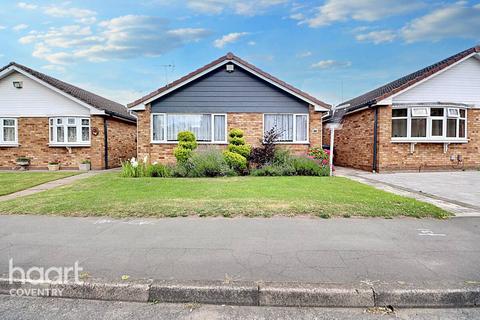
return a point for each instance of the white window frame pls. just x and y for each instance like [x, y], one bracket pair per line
[294, 141]
[429, 137]
[212, 133]
[52, 132]
[8, 143]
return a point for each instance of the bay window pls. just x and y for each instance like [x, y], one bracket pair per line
[8, 131]
[290, 127]
[206, 127]
[428, 124]
[67, 131]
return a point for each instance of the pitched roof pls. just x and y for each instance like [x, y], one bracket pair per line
[110, 107]
[230, 57]
[398, 85]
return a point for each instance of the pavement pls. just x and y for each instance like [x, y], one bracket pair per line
[70, 309]
[455, 191]
[49, 185]
[308, 250]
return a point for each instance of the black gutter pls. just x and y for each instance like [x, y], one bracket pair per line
[375, 136]
[105, 141]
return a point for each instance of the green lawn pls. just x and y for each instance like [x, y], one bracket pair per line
[109, 194]
[15, 181]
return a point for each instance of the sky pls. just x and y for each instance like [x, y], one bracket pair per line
[332, 49]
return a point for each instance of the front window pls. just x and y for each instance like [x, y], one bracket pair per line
[290, 127]
[8, 131]
[206, 127]
[69, 131]
[429, 123]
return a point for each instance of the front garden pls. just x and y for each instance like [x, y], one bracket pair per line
[239, 159]
[11, 182]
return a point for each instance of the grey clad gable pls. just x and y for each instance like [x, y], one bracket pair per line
[220, 92]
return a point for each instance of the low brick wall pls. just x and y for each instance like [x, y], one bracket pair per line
[250, 123]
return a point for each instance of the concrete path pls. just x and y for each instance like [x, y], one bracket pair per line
[457, 192]
[341, 250]
[49, 185]
[70, 309]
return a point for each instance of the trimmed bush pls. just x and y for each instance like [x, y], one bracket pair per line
[235, 133]
[237, 141]
[186, 144]
[243, 150]
[236, 161]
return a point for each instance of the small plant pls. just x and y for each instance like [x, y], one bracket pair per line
[157, 170]
[87, 161]
[265, 153]
[133, 168]
[23, 159]
[238, 151]
[23, 162]
[274, 170]
[186, 144]
[210, 163]
[53, 163]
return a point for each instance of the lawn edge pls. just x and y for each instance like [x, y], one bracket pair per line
[38, 184]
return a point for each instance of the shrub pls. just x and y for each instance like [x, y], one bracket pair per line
[186, 144]
[132, 169]
[210, 163]
[236, 161]
[274, 170]
[235, 133]
[264, 154]
[243, 150]
[157, 170]
[282, 156]
[238, 151]
[306, 167]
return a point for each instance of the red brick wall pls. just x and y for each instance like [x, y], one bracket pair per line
[250, 123]
[426, 156]
[33, 143]
[122, 141]
[354, 145]
[354, 141]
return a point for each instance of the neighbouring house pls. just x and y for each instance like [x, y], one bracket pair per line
[49, 120]
[427, 120]
[224, 94]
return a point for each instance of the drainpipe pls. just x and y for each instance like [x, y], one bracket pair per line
[375, 136]
[332, 140]
[105, 141]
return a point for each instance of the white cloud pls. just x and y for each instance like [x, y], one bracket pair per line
[304, 54]
[297, 16]
[123, 37]
[362, 10]
[228, 38]
[245, 8]
[3, 27]
[251, 43]
[54, 67]
[331, 64]
[63, 11]
[458, 20]
[20, 27]
[377, 37]
[27, 6]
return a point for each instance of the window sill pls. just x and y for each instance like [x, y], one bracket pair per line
[429, 140]
[176, 142]
[67, 145]
[9, 145]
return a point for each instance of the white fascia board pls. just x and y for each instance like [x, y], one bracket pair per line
[92, 109]
[141, 106]
[389, 100]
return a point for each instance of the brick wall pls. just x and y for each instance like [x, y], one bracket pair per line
[427, 156]
[354, 145]
[250, 123]
[354, 141]
[34, 143]
[122, 141]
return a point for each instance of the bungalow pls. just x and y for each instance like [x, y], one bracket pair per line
[427, 120]
[224, 94]
[48, 120]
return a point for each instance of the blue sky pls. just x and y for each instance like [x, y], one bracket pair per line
[122, 49]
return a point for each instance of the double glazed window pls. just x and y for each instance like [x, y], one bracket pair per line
[429, 123]
[206, 127]
[69, 131]
[8, 131]
[290, 127]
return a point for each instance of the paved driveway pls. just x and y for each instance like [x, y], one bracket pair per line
[462, 187]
